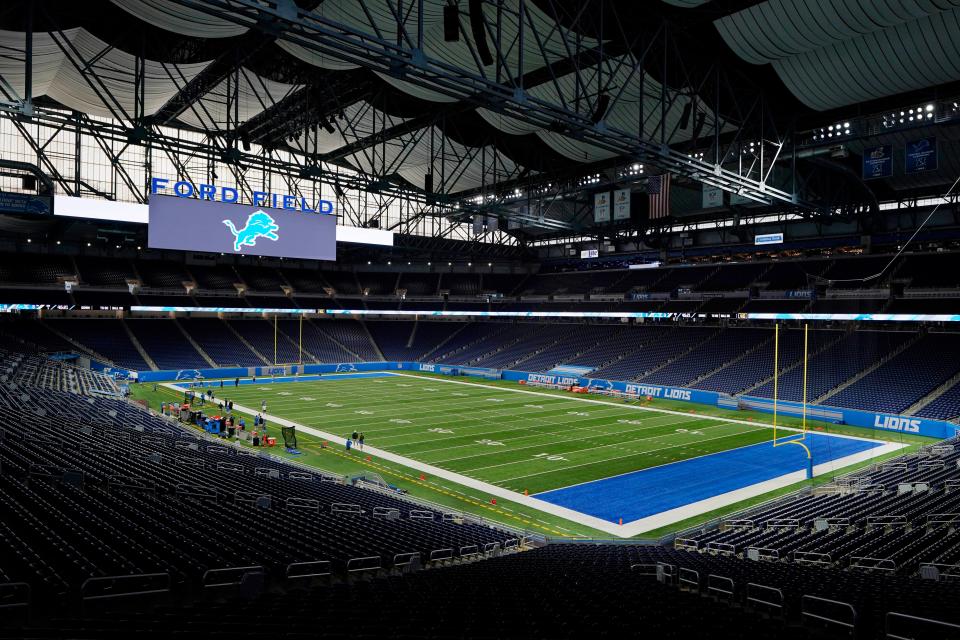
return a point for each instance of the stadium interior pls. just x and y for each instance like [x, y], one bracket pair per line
[480, 319]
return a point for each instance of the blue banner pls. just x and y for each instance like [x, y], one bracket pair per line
[921, 155]
[878, 162]
[25, 203]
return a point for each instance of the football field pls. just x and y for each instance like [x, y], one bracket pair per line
[610, 460]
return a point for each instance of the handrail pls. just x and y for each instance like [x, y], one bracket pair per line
[310, 569]
[293, 502]
[763, 553]
[938, 625]
[712, 585]
[407, 558]
[345, 507]
[812, 557]
[644, 569]
[15, 594]
[687, 544]
[211, 574]
[724, 548]
[351, 567]
[110, 587]
[823, 617]
[755, 589]
[440, 554]
[866, 562]
[684, 578]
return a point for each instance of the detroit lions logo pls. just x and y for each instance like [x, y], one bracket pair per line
[259, 225]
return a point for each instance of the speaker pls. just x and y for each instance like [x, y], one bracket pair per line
[428, 183]
[451, 23]
[29, 183]
[603, 103]
[479, 33]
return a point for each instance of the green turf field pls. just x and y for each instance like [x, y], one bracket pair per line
[513, 440]
[545, 441]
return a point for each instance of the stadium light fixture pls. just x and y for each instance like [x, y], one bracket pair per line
[29, 240]
[58, 243]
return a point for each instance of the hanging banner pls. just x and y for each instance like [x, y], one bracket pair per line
[601, 207]
[878, 162]
[920, 155]
[621, 204]
[712, 197]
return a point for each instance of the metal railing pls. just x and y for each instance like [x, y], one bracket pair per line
[897, 626]
[766, 597]
[310, 569]
[877, 564]
[829, 612]
[721, 586]
[228, 576]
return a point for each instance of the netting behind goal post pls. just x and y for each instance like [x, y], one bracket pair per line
[289, 437]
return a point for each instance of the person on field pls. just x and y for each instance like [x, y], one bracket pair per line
[360, 441]
[354, 437]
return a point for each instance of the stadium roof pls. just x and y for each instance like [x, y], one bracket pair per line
[531, 100]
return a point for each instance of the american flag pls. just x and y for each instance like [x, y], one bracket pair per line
[658, 190]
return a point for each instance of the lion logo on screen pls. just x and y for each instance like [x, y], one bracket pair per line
[259, 225]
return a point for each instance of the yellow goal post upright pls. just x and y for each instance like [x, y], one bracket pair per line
[276, 338]
[776, 380]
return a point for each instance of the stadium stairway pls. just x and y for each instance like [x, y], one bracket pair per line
[82, 348]
[139, 347]
[194, 343]
[429, 354]
[695, 345]
[865, 372]
[719, 370]
[931, 397]
[245, 342]
[373, 343]
[796, 363]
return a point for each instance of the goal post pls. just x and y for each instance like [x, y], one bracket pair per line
[784, 440]
[277, 338]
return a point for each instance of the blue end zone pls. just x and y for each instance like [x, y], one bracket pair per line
[650, 491]
[327, 377]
